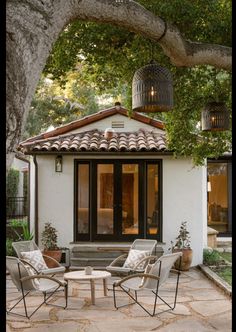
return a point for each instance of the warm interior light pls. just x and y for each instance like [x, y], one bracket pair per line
[208, 186]
[152, 91]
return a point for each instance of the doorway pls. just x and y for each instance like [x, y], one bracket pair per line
[117, 200]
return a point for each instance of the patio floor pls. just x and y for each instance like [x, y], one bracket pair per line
[201, 307]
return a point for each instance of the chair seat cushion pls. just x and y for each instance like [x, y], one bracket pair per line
[134, 257]
[35, 257]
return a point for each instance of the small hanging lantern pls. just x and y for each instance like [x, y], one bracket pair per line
[152, 89]
[215, 117]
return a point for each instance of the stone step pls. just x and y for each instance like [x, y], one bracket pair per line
[75, 267]
[225, 244]
[91, 262]
[96, 254]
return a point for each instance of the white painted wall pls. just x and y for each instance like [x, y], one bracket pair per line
[56, 197]
[184, 198]
[184, 193]
[129, 125]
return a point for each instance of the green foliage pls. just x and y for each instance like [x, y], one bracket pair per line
[49, 237]
[104, 58]
[183, 239]
[27, 235]
[226, 256]
[24, 234]
[225, 273]
[12, 182]
[9, 249]
[211, 257]
[17, 222]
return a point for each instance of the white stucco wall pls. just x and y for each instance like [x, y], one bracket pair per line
[184, 193]
[184, 199]
[129, 125]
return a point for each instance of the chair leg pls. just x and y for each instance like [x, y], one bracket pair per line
[22, 298]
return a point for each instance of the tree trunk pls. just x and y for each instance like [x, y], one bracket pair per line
[34, 25]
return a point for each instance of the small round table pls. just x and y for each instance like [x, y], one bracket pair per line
[80, 275]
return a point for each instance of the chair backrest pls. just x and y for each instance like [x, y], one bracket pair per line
[166, 261]
[24, 246]
[144, 244]
[17, 271]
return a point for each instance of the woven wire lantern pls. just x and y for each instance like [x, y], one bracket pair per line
[152, 89]
[215, 117]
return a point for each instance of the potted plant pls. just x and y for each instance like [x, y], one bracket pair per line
[49, 242]
[183, 244]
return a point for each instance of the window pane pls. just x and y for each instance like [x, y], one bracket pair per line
[217, 187]
[105, 198]
[130, 201]
[83, 198]
[152, 199]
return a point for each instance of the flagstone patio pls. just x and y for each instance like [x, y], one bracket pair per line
[201, 307]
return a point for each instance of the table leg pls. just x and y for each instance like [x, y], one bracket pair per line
[105, 286]
[92, 285]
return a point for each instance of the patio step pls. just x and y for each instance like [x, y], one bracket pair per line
[224, 242]
[98, 255]
[82, 262]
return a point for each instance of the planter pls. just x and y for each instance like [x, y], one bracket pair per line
[56, 254]
[186, 259]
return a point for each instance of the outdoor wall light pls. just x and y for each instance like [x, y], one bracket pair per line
[58, 164]
[215, 117]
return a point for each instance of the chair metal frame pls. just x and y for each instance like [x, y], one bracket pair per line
[24, 293]
[31, 245]
[116, 267]
[157, 296]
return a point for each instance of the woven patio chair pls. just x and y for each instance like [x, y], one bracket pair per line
[22, 248]
[134, 260]
[27, 280]
[154, 277]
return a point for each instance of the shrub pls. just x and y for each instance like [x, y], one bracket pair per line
[211, 257]
[9, 249]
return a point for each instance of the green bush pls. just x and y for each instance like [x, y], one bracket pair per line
[9, 249]
[211, 257]
[12, 182]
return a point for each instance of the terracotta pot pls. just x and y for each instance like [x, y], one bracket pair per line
[56, 254]
[186, 259]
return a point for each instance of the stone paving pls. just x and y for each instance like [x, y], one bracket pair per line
[201, 307]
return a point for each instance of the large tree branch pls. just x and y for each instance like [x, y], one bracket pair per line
[136, 18]
[34, 25]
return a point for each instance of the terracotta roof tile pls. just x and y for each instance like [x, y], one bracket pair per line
[64, 129]
[95, 140]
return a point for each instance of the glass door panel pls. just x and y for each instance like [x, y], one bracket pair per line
[217, 188]
[130, 198]
[152, 199]
[83, 199]
[105, 198]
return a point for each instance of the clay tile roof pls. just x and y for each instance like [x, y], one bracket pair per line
[95, 141]
[89, 119]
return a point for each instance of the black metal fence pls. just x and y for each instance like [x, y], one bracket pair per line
[17, 208]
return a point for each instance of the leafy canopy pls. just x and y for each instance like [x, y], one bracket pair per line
[108, 56]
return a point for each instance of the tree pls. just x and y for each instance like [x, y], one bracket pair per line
[33, 27]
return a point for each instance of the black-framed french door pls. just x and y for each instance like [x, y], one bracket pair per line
[117, 200]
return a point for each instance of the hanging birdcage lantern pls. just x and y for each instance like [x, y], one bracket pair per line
[152, 89]
[215, 117]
